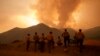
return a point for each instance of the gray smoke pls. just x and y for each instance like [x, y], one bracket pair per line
[55, 12]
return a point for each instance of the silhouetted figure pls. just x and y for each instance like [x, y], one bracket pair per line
[76, 38]
[80, 39]
[50, 41]
[28, 42]
[42, 42]
[36, 41]
[59, 43]
[66, 37]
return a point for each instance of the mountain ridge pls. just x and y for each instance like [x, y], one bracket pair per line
[20, 33]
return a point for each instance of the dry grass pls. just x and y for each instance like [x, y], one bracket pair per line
[91, 48]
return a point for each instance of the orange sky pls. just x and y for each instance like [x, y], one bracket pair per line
[88, 14]
[20, 13]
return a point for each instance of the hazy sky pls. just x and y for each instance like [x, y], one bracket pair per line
[56, 13]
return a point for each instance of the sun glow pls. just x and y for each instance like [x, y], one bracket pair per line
[24, 21]
[29, 21]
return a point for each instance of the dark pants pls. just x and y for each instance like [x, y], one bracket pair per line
[66, 41]
[36, 44]
[50, 45]
[27, 45]
[80, 43]
[42, 46]
[59, 43]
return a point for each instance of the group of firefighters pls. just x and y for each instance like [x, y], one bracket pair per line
[41, 42]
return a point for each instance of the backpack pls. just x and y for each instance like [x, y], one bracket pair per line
[65, 34]
[36, 37]
[80, 35]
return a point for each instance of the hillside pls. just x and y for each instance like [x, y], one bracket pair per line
[19, 33]
[93, 33]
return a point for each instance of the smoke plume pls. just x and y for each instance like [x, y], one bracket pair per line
[56, 12]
